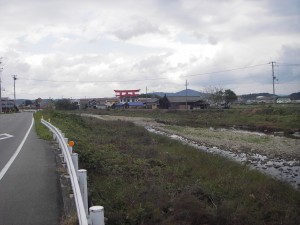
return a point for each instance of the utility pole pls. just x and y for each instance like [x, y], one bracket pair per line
[186, 84]
[146, 96]
[0, 88]
[273, 78]
[15, 78]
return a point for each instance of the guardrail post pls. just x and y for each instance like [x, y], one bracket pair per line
[75, 162]
[97, 215]
[70, 149]
[82, 179]
[67, 141]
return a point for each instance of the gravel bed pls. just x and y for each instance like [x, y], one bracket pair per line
[230, 139]
[241, 142]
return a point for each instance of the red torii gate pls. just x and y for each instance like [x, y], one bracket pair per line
[127, 93]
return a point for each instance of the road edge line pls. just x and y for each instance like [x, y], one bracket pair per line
[14, 156]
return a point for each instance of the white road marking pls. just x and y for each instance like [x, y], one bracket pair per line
[5, 136]
[12, 159]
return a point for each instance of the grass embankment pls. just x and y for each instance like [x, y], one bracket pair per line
[142, 178]
[41, 130]
[258, 117]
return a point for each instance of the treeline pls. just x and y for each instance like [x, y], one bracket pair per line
[66, 104]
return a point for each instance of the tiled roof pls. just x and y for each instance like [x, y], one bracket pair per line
[135, 104]
[178, 99]
[148, 100]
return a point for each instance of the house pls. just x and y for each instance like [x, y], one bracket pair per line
[135, 105]
[283, 100]
[8, 105]
[110, 101]
[264, 99]
[97, 103]
[83, 103]
[120, 105]
[90, 103]
[150, 103]
[187, 102]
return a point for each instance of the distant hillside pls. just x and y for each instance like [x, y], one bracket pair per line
[20, 101]
[295, 96]
[254, 96]
[188, 92]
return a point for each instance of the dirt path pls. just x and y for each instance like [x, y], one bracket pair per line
[233, 140]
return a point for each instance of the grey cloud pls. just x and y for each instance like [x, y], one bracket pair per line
[138, 28]
[288, 63]
[212, 40]
[282, 8]
[152, 66]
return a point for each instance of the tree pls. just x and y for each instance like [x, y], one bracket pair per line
[38, 102]
[65, 104]
[217, 96]
[229, 97]
[164, 102]
[28, 102]
[50, 104]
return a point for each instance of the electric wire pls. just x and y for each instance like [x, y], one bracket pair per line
[138, 80]
[227, 70]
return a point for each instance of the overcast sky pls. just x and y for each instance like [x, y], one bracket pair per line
[77, 49]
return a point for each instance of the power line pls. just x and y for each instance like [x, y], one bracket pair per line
[95, 81]
[148, 79]
[288, 64]
[228, 70]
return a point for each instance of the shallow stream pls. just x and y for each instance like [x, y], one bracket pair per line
[287, 171]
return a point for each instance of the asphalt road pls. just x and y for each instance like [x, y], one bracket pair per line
[29, 183]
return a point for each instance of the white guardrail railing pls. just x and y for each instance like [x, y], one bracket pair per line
[78, 180]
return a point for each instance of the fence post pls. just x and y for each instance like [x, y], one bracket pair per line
[82, 179]
[75, 162]
[97, 215]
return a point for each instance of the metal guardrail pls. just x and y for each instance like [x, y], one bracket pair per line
[79, 182]
[82, 216]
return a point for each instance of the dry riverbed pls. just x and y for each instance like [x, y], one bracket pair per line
[242, 141]
[273, 155]
[229, 139]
